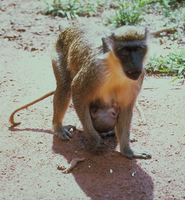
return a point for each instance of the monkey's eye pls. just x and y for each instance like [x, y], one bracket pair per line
[140, 49]
[125, 52]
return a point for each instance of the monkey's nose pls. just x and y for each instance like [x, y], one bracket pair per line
[113, 114]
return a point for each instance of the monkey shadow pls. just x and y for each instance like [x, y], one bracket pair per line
[105, 174]
[14, 128]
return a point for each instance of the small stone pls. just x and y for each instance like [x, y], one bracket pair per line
[133, 173]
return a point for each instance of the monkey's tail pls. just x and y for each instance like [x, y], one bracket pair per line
[11, 119]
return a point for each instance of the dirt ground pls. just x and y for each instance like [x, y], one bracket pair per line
[30, 153]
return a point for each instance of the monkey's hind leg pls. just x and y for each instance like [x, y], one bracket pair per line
[62, 96]
[60, 103]
[83, 113]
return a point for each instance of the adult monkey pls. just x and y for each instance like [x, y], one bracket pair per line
[91, 64]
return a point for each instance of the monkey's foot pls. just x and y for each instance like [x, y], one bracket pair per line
[129, 153]
[63, 132]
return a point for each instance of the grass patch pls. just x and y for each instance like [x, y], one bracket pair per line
[172, 64]
[71, 9]
[129, 13]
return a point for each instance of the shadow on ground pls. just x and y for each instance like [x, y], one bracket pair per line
[105, 174]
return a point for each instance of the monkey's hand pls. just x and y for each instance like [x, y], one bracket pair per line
[63, 132]
[129, 153]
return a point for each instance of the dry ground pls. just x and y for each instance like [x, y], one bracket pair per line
[29, 153]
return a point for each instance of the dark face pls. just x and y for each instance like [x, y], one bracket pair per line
[131, 57]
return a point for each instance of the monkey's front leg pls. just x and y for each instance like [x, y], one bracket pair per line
[91, 134]
[123, 135]
[83, 112]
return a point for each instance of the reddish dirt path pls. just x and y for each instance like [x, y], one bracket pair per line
[30, 153]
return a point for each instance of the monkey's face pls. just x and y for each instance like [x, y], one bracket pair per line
[131, 56]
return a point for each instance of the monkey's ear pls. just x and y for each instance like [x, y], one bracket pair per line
[106, 45]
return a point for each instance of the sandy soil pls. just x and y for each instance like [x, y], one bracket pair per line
[29, 153]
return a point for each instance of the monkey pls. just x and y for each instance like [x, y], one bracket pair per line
[104, 117]
[91, 62]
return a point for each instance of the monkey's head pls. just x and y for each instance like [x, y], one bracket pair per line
[129, 44]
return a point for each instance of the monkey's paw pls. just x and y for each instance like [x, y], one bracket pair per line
[63, 132]
[129, 153]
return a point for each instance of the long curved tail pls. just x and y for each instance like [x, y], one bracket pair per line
[11, 118]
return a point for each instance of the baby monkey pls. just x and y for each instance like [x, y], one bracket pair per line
[104, 117]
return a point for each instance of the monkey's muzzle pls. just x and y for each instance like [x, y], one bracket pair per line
[133, 74]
